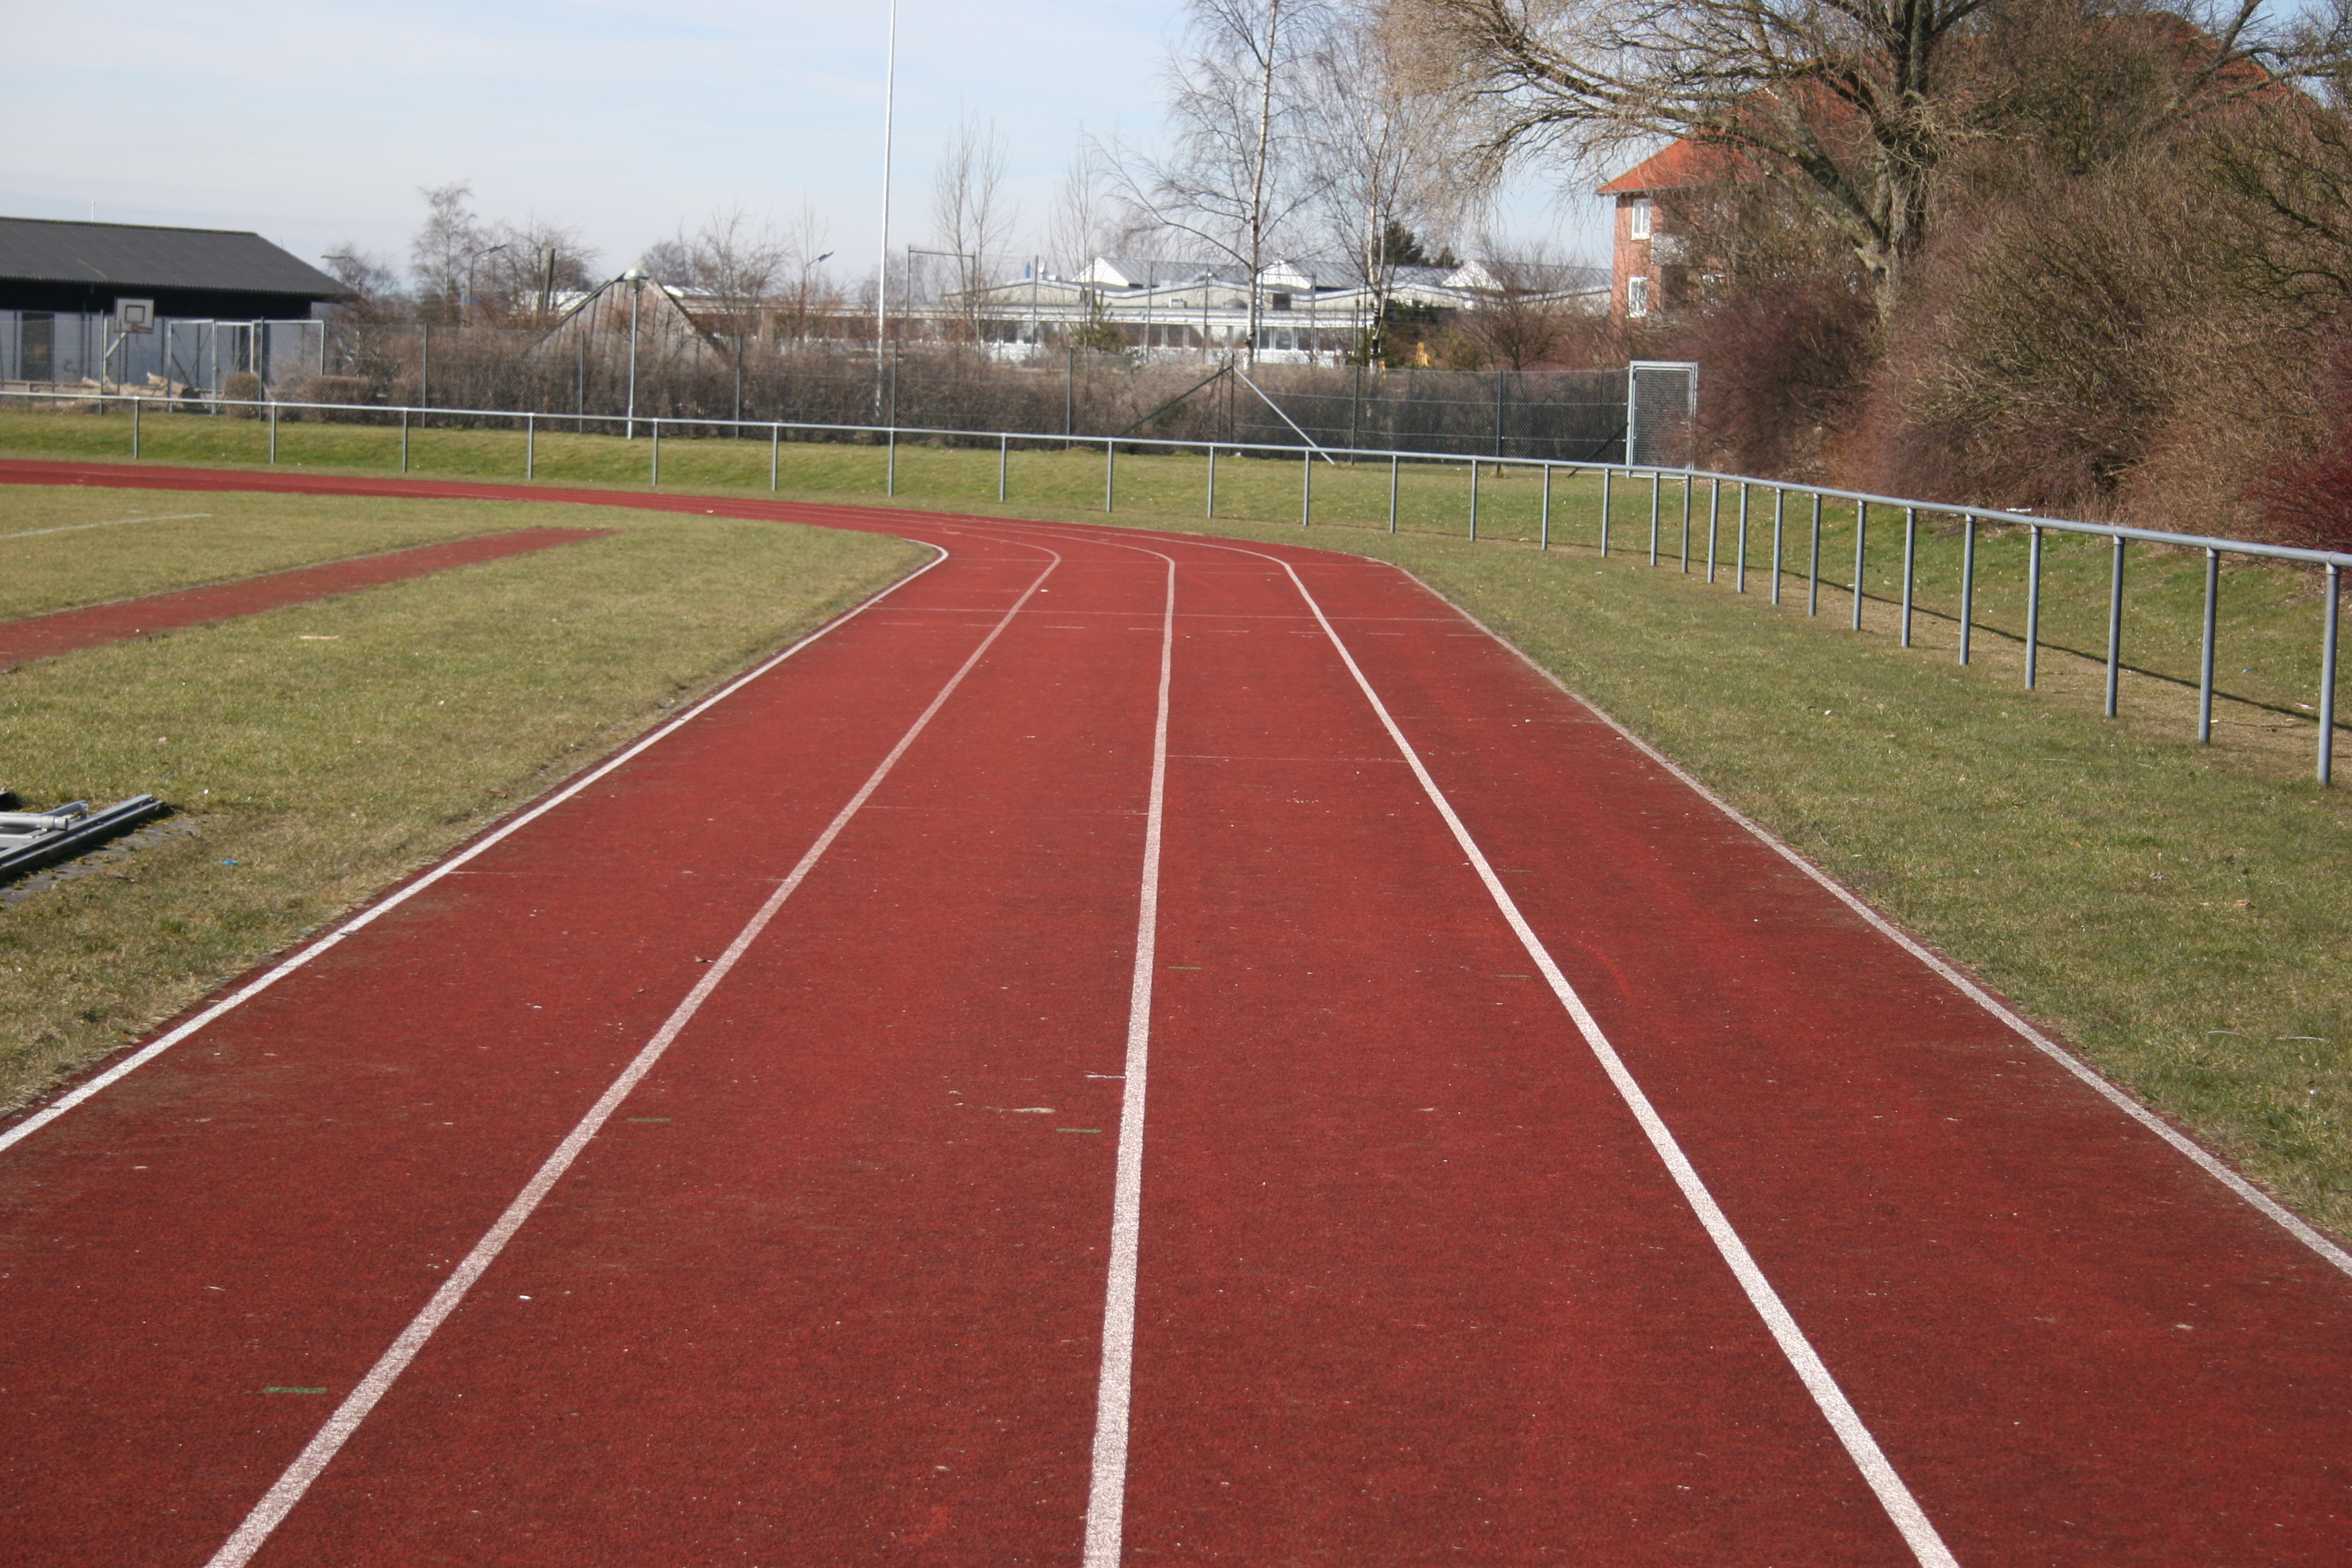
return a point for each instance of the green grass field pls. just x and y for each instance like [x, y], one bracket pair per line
[319, 752]
[2177, 911]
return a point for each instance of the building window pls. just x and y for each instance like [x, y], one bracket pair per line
[1638, 224]
[1282, 301]
[1637, 296]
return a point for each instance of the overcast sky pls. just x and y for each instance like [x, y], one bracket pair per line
[316, 122]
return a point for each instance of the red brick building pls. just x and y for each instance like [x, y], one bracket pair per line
[1645, 271]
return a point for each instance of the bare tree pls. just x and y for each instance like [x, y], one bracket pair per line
[1854, 105]
[1380, 143]
[446, 244]
[536, 262]
[1238, 174]
[1087, 220]
[969, 211]
[374, 287]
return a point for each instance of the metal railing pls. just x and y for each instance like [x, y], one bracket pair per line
[1685, 483]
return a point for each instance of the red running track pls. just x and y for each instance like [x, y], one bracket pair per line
[1536, 1166]
[92, 625]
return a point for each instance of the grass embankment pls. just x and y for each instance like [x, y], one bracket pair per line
[2178, 912]
[319, 752]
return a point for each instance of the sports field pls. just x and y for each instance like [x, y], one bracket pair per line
[1131, 1047]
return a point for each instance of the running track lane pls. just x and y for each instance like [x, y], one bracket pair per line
[93, 626]
[2015, 1365]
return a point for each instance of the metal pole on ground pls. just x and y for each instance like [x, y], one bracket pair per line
[530, 447]
[1606, 475]
[776, 455]
[1543, 529]
[1910, 558]
[1739, 572]
[1687, 483]
[1861, 539]
[1210, 510]
[1110, 472]
[1657, 483]
[1306, 487]
[1779, 517]
[273, 429]
[404, 440]
[135, 403]
[1004, 459]
[1392, 491]
[1714, 522]
[1474, 501]
[1968, 583]
[890, 464]
[1813, 577]
[2116, 626]
[2327, 678]
[2205, 658]
[2032, 604]
[654, 426]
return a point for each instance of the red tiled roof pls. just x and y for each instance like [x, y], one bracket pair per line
[1680, 165]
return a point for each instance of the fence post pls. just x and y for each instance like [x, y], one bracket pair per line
[1968, 583]
[1714, 522]
[273, 429]
[654, 426]
[135, 403]
[1910, 552]
[1392, 491]
[775, 454]
[1688, 482]
[1814, 572]
[404, 440]
[1110, 460]
[2116, 626]
[2032, 604]
[2205, 660]
[530, 447]
[1779, 516]
[1739, 579]
[1003, 458]
[1606, 475]
[1657, 482]
[1474, 501]
[1211, 510]
[1861, 542]
[2327, 678]
[1543, 527]
[1306, 487]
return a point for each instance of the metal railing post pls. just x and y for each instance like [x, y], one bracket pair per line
[776, 456]
[404, 440]
[135, 403]
[1392, 491]
[2032, 605]
[273, 430]
[1306, 487]
[1474, 501]
[1813, 578]
[654, 426]
[1210, 510]
[1543, 526]
[890, 464]
[2116, 627]
[530, 447]
[1688, 483]
[1739, 573]
[1910, 556]
[1003, 461]
[1110, 473]
[1606, 475]
[2327, 678]
[1779, 516]
[2205, 658]
[1714, 522]
[1657, 483]
[1967, 583]
[1861, 541]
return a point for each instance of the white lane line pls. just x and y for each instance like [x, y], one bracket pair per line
[2262, 1202]
[1107, 1493]
[1894, 1496]
[157, 1046]
[110, 522]
[279, 1500]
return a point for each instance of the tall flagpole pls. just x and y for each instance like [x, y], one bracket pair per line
[882, 266]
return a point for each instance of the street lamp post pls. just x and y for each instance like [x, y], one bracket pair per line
[636, 278]
[466, 305]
